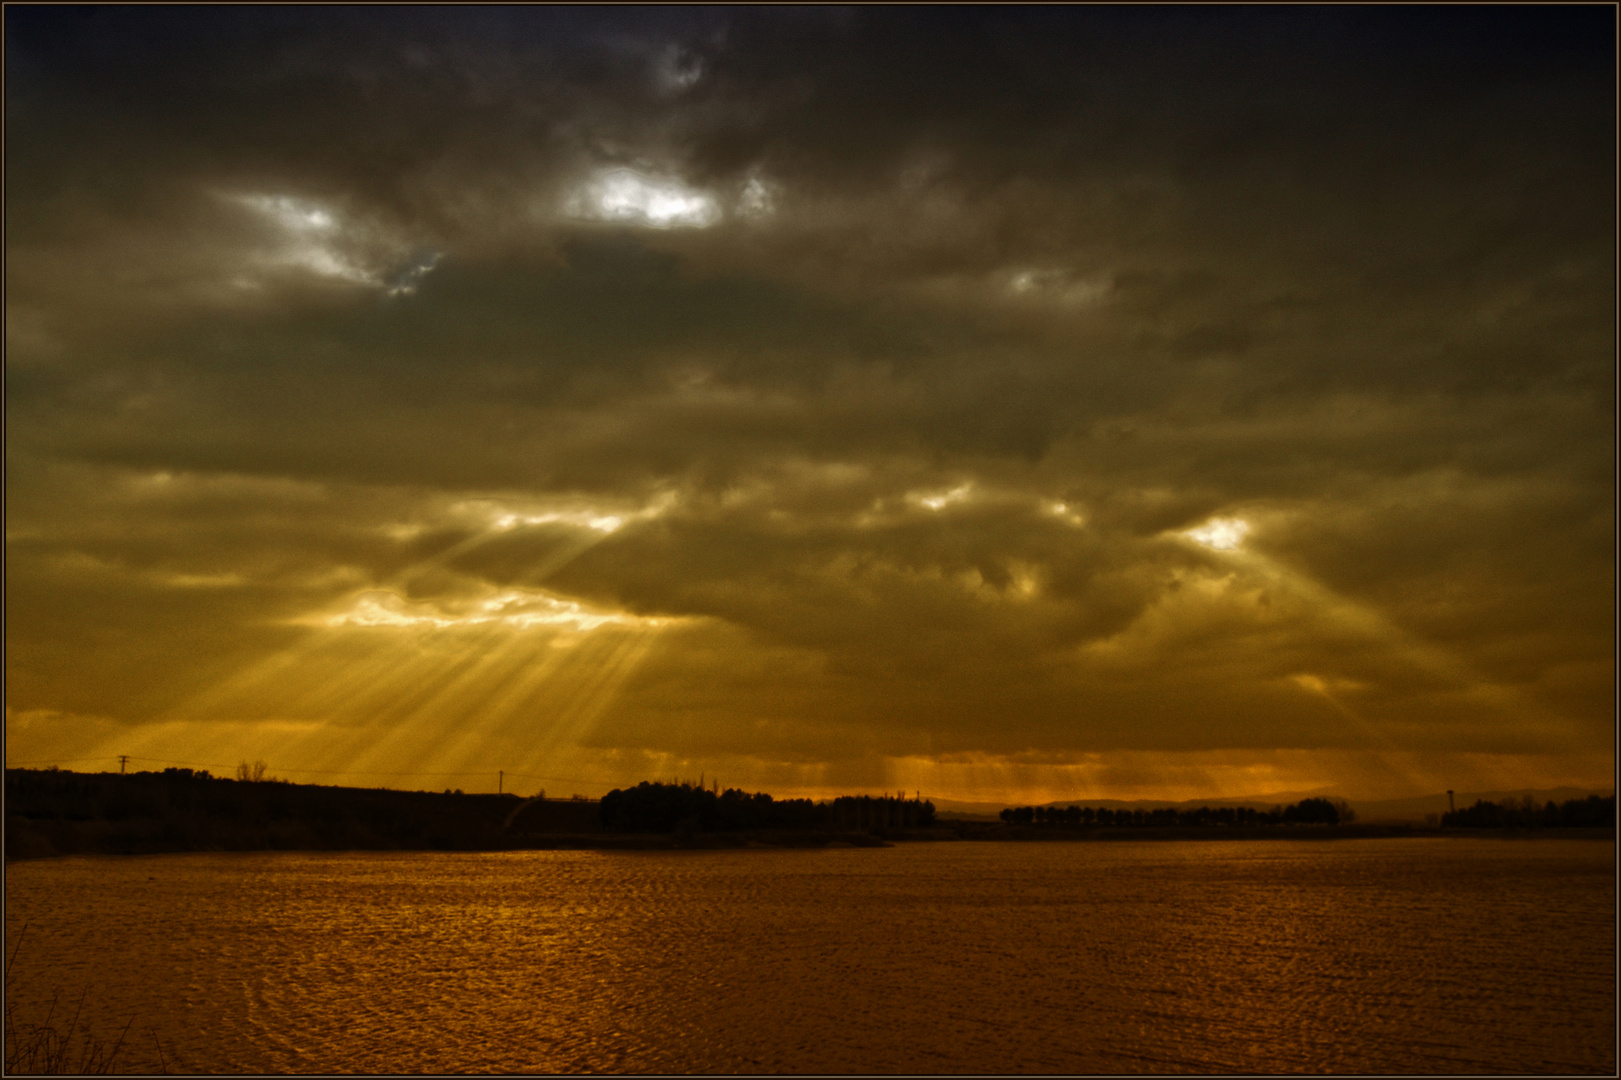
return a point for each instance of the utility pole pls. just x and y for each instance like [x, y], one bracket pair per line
[1450, 805]
[500, 778]
[123, 759]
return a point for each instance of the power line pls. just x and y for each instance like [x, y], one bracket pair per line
[326, 772]
[333, 772]
[55, 760]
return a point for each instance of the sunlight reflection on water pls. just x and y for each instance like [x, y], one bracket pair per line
[1447, 955]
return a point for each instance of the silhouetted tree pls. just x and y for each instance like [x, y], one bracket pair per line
[1312, 812]
[252, 774]
[661, 807]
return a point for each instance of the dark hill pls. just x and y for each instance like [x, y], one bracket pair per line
[51, 812]
[54, 812]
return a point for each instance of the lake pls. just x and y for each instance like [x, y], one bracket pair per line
[1424, 955]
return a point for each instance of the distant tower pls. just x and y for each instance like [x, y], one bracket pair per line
[1450, 807]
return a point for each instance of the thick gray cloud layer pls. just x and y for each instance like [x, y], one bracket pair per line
[904, 348]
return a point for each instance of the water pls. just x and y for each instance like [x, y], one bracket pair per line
[1381, 956]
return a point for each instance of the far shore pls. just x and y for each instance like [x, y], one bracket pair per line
[57, 813]
[947, 832]
[1358, 831]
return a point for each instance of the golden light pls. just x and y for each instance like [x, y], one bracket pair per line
[469, 679]
[1064, 512]
[513, 607]
[657, 202]
[940, 500]
[1220, 534]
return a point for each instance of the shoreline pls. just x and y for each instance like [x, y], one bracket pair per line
[53, 813]
[1306, 832]
[764, 840]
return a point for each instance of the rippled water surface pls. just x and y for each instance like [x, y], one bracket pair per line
[1393, 956]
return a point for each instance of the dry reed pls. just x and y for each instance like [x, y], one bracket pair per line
[43, 1049]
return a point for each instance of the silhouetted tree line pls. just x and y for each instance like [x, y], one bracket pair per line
[1591, 812]
[881, 812]
[1305, 812]
[658, 807]
[185, 810]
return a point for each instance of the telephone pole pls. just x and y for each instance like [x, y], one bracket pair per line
[123, 759]
[500, 778]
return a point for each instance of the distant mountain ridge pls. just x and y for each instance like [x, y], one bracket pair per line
[1413, 808]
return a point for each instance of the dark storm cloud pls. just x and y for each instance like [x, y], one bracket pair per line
[912, 345]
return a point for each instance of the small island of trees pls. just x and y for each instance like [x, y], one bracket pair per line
[684, 807]
[1305, 812]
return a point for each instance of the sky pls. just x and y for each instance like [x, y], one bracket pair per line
[995, 403]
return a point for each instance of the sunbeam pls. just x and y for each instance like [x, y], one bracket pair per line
[573, 720]
[1406, 647]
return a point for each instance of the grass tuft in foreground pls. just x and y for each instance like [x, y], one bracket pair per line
[44, 1049]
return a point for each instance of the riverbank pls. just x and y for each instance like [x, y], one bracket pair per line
[54, 813]
[25, 841]
[1367, 831]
